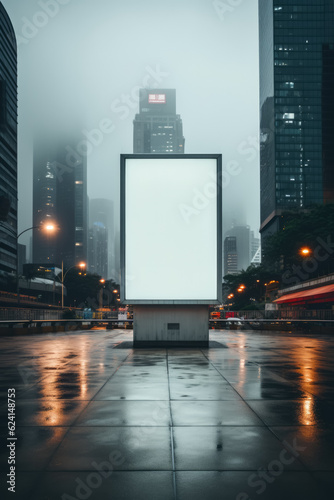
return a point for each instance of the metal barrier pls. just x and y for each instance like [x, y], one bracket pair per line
[54, 322]
[285, 314]
[274, 324]
[28, 314]
[71, 324]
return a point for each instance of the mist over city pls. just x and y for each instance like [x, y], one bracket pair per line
[81, 65]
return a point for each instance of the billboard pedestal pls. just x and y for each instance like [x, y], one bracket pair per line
[171, 325]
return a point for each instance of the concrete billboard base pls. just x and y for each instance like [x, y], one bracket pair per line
[171, 326]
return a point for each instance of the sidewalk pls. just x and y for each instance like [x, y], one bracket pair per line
[249, 418]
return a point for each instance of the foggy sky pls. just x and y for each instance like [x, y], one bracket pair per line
[84, 64]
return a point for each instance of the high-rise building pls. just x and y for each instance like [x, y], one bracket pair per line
[59, 196]
[230, 255]
[255, 247]
[157, 128]
[101, 214]
[98, 249]
[242, 237]
[8, 147]
[297, 107]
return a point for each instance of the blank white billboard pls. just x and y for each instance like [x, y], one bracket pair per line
[171, 234]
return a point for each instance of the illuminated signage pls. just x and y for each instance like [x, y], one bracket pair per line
[157, 98]
[171, 229]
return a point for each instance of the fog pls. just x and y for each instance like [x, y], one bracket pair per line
[82, 62]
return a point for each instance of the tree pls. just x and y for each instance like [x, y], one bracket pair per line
[303, 230]
[248, 288]
[82, 288]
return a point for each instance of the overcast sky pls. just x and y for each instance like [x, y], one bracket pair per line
[83, 60]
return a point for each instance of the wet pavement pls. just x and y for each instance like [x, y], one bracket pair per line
[251, 417]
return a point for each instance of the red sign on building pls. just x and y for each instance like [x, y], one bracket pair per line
[157, 98]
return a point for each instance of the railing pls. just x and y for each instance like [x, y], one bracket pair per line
[25, 325]
[13, 296]
[8, 327]
[29, 314]
[320, 314]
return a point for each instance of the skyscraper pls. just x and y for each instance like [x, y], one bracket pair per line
[255, 246]
[8, 146]
[60, 196]
[242, 237]
[157, 128]
[297, 106]
[101, 224]
[98, 249]
[230, 255]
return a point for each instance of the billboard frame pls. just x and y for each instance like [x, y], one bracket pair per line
[123, 158]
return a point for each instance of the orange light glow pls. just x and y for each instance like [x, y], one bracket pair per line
[305, 251]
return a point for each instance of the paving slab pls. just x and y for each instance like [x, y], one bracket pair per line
[250, 417]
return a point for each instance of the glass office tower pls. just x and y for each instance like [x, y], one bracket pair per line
[297, 106]
[8, 148]
[60, 197]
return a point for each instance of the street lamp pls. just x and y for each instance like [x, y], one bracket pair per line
[46, 227]
[102, 281]
[305, 251]
[82, 265]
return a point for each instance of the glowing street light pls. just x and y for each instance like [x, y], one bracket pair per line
[305, 252]
[42, 227]
[82, 266]
[102, 281]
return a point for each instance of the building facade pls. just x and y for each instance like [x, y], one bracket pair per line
[101, 223]
[59, 197]
[242, 236]
[157, 129]
[230, 255]
[297, 107]
[8, 147]
[98, 249]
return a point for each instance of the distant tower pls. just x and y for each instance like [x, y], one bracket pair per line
[60, 196]
[8, 147]
[157, 129]
[242, 236]
[98, 249]
[230, 255]
[255, 249]
[101, 223]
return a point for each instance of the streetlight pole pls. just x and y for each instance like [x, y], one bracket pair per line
[16, 236]
[48, 227]
[63, 276]
[17, 262]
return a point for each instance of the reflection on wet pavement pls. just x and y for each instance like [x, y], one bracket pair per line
[252, 419]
